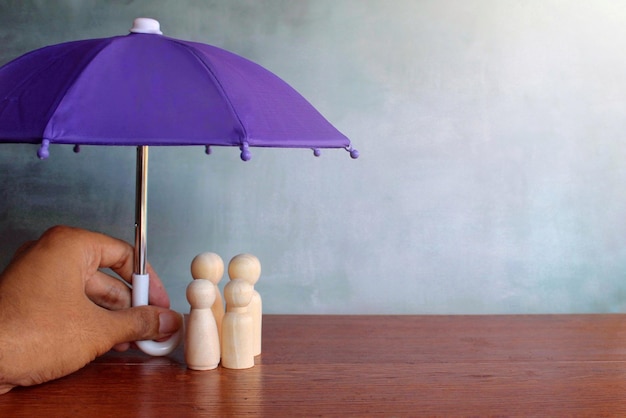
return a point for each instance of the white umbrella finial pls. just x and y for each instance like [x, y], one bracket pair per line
[146, 25]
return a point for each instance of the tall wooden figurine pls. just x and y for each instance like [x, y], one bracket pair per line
[202, 345]
[209, 266]
[248, 267]
[237, 327]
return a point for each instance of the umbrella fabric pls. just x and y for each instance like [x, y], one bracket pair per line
[147, 89]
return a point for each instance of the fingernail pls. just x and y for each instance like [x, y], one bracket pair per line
[168, 322]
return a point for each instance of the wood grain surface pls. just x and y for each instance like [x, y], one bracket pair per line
[538, 365]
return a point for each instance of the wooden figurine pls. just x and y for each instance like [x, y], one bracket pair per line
[248, 267]
[202, 345]
[209, 266]
[237, 327]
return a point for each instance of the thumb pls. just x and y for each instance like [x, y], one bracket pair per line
[143, 323]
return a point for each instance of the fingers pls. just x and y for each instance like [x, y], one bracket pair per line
[141, 323]
[108, 292]
[111, 293]
[118, 255]
[121, 347]
[157, 294]
[102, 251]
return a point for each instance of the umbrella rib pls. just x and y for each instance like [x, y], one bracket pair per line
[67, 87]
[217, 82]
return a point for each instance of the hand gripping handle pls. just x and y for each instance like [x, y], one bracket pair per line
[141, 284]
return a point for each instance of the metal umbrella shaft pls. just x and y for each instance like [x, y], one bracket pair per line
[141, 211]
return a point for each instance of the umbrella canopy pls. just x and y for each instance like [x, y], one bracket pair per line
[148, 89]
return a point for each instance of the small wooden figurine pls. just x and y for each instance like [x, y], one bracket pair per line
[209, 266]
[237, 326]
[202, 345]
[248, 268]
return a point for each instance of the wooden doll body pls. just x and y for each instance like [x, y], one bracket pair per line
[248, 267]
[237, 326]
[202, 345]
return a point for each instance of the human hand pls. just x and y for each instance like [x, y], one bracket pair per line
[58, 311]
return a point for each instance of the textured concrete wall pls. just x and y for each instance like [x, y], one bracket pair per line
[492, 139]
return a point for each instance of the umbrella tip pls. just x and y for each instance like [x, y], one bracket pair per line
[44, 151]
[245, 155]
[354, 153]
[146, 25]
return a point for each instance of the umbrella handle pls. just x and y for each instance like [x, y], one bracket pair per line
[141, 284]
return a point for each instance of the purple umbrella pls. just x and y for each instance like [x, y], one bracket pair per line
[147, 89]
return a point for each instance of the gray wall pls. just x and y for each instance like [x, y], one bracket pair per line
[492, 139]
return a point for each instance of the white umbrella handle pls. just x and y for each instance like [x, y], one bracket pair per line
[141, 284]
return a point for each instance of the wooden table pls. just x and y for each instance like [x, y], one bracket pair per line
[543, 365]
